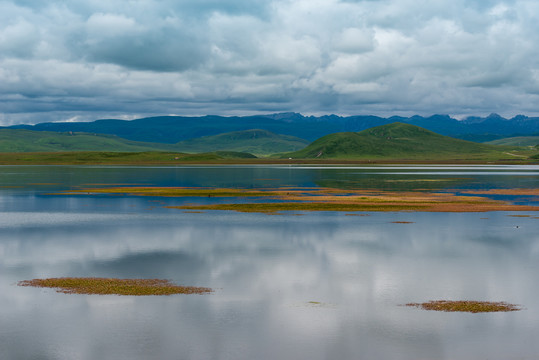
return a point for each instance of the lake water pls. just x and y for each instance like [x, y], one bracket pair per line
[322, 285]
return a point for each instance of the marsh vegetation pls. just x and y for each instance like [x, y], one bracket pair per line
[110, 286]
[466, 306]
[326, 199]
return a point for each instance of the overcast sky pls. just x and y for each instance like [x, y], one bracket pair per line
[87, 59]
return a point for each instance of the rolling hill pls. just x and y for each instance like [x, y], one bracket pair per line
[254, 141]
[259, 142]
[19, 140]
[516, 141]
[397, 141]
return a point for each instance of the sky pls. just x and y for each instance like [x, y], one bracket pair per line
[83, 60]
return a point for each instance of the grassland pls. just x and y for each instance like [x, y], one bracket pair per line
[220, 157]
[466, 306]
[119, 158]
[111, 286]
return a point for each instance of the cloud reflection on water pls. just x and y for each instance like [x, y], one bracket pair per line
[265, 270]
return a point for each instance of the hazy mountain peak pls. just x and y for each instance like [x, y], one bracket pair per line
[285, 116]
[494, 116]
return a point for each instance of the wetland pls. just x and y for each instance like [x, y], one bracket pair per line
[327, 284]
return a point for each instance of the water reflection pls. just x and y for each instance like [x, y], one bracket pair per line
[265, 270]
[39, 179]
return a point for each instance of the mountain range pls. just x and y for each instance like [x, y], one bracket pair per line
[174, 129]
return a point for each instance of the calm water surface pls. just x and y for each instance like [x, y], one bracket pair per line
[322, 285]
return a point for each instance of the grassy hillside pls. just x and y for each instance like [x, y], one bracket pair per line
[399, 141]
[394, 142]
[259, 142]
[18, 140]
[516, 141]
[254, 141]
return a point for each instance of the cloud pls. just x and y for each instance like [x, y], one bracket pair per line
[105, 58]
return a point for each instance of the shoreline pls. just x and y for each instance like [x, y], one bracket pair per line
[170, 158]
[266, 162]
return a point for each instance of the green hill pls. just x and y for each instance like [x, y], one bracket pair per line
[516, 141]
[399, 141]
[254, 141]
[17, 140]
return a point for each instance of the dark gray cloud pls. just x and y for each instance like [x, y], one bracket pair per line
[84, 60]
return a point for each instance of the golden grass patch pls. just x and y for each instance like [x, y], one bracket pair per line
[324, 199]
[466, 306]
[112, 286]
[533, 192]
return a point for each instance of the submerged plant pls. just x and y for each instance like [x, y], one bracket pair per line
[111, 286]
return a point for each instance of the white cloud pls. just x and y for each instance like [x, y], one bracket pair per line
[19, 38]
[355, 40]
[102, 25]
[236, 56]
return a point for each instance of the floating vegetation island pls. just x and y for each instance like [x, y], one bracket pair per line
[322, 199]
[466, 306]
[111, 286]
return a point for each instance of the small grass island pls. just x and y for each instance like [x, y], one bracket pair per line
[466, 306]
[111, 286]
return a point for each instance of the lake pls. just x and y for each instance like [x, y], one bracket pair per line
[311, 285]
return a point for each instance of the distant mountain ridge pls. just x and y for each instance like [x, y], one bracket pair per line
[173, 129]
